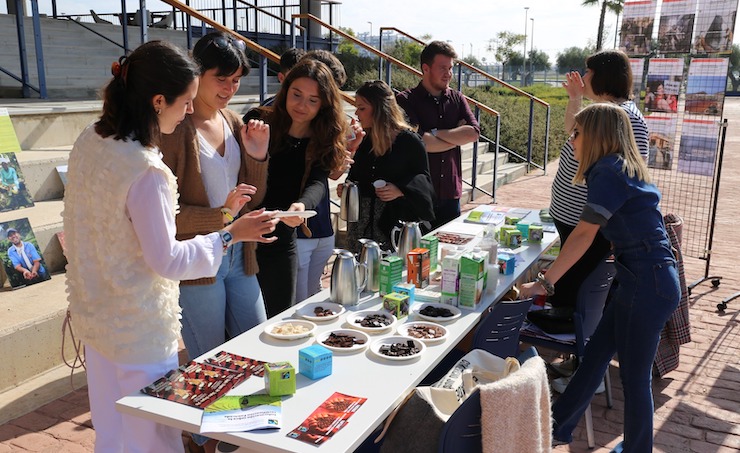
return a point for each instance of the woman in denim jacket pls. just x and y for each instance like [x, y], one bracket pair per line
[624, 206]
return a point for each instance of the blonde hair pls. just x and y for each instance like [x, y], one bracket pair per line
[606, 129]
[388, 118]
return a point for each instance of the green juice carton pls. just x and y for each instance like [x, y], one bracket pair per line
[391, 270]
[450, 279]
[431, 243]
[472, 272]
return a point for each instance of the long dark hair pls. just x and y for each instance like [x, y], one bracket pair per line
[221, 51]
[328, 128]
[155, 67]
[388, 118]
[612, 73]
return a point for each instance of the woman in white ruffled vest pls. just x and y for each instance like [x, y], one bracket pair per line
[124, 262]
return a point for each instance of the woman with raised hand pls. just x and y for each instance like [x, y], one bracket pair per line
[124, 263]
[219, 163]
[308, 141]
[622, 204]
[391, 169]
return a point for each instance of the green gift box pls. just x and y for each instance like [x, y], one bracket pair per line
[279, 378]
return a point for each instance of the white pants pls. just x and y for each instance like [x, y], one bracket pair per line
[107, 382]
[312, 257]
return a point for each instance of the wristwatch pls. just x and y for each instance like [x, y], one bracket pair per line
[433, 131]
[226, 239]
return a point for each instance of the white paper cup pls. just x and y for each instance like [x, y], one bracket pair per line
[379, 183]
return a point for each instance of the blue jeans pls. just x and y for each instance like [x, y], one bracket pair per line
[212, 314]
[647, 294]
[313, 254]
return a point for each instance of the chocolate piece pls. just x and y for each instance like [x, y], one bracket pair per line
[399, 349]
[321, 311]
[341, 340]
[374, 321]
[436, 312]
[424, 332]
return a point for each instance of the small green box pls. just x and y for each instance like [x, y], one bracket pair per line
[391, 271]
[397, 304]
[431, 243]
[280, 379]
[511, 220]
[536, 232]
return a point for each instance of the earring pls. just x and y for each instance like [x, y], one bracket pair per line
[159, 111]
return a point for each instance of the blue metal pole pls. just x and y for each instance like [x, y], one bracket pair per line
[292, 32]
[531, 131]
[39, 49]
[474, 178]
[22, 48]
[144, 21]
[263, 78]
[380, 49]
[189, 27]
[124, 26]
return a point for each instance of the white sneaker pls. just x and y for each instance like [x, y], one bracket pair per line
[564, 368]
[560, 384]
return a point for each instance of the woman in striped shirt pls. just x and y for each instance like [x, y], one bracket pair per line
[608, 78]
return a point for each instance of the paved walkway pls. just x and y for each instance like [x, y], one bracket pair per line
[697, 405]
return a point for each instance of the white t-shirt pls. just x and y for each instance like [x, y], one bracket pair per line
[219, 173]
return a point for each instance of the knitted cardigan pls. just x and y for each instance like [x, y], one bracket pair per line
[118, 304]
[181, 152]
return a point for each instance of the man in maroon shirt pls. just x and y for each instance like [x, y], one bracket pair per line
[445, 123]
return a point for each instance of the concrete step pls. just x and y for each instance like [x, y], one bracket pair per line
[39, 172]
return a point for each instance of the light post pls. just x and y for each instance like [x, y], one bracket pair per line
[531, 51]
[524, 66]
[370, 39]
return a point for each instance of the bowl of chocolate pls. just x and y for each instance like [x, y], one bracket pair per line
[398, 348]
[320, 311]
[371, 321]
[343, 340]
[437, 312]
[428, 332]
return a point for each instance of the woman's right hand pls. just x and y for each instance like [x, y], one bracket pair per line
[238, 197]
[252, 226]
[574, 85]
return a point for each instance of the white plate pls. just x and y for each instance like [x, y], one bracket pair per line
[311, 328]
[303, 214]
[355, 333]
[375, 347]
[403, 330]
[307, 311]
[353, 317]
[419, 306]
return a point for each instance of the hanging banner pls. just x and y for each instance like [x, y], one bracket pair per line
[661, 140]
[705, 87]
[697, 153]
[715, 23]
[676, 26]
[638, 18]
[663, 84]
[638, 70]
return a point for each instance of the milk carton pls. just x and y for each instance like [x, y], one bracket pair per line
[450, 278]
[431, 243]
[472, 271]
[417, 265]
[391, 270]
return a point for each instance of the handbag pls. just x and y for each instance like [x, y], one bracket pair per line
[553, 320]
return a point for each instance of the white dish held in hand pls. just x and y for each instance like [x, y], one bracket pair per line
[291, 330]
[442, 316]
[354, 320]
[428, 332]
[310, 311]
[361, 340]
[391, 343]
[302, 214]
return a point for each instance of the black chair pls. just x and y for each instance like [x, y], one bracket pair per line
[592, 298]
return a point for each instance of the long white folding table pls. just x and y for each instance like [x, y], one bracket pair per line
[383, 382]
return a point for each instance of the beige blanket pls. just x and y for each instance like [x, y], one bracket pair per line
[515, 411]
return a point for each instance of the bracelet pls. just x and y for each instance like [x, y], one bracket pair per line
[227, 213]
[549, 287]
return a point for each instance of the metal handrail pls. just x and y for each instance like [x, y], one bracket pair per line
[93, 31]
[18, 79]
[274, 16]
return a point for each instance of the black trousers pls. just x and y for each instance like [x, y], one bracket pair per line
[278, 263]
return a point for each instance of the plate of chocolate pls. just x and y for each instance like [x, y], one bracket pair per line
[398, 348]
[320, 311]
[343, 340]
[291, 330]
[428, 332]
[437, 312]
[371, 321]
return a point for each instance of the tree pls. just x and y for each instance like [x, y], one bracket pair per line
[614, 6]
[733, 71]
[503, 47]
[573, 59]
[539, 60]
[407, 51]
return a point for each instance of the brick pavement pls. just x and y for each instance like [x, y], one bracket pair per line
[697, 405]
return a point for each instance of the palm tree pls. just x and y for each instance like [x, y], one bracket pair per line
[614, 6]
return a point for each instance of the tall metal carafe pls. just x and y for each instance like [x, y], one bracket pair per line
[370, 256]
[346, 286]
[349, 206]
[408, 239]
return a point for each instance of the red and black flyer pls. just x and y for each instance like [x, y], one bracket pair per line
[327, 419]
[234, 362]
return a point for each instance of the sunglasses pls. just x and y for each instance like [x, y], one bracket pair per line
[222, 43]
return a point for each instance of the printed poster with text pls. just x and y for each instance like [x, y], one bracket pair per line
[663, 84]
[697, 153]
[8, 139]
[661, 140]
[676, 26]
[705, 87]
[638, 70]
[637, 26]
[715, 25]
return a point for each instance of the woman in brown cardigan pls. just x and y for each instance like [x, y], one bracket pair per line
[221, 169]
